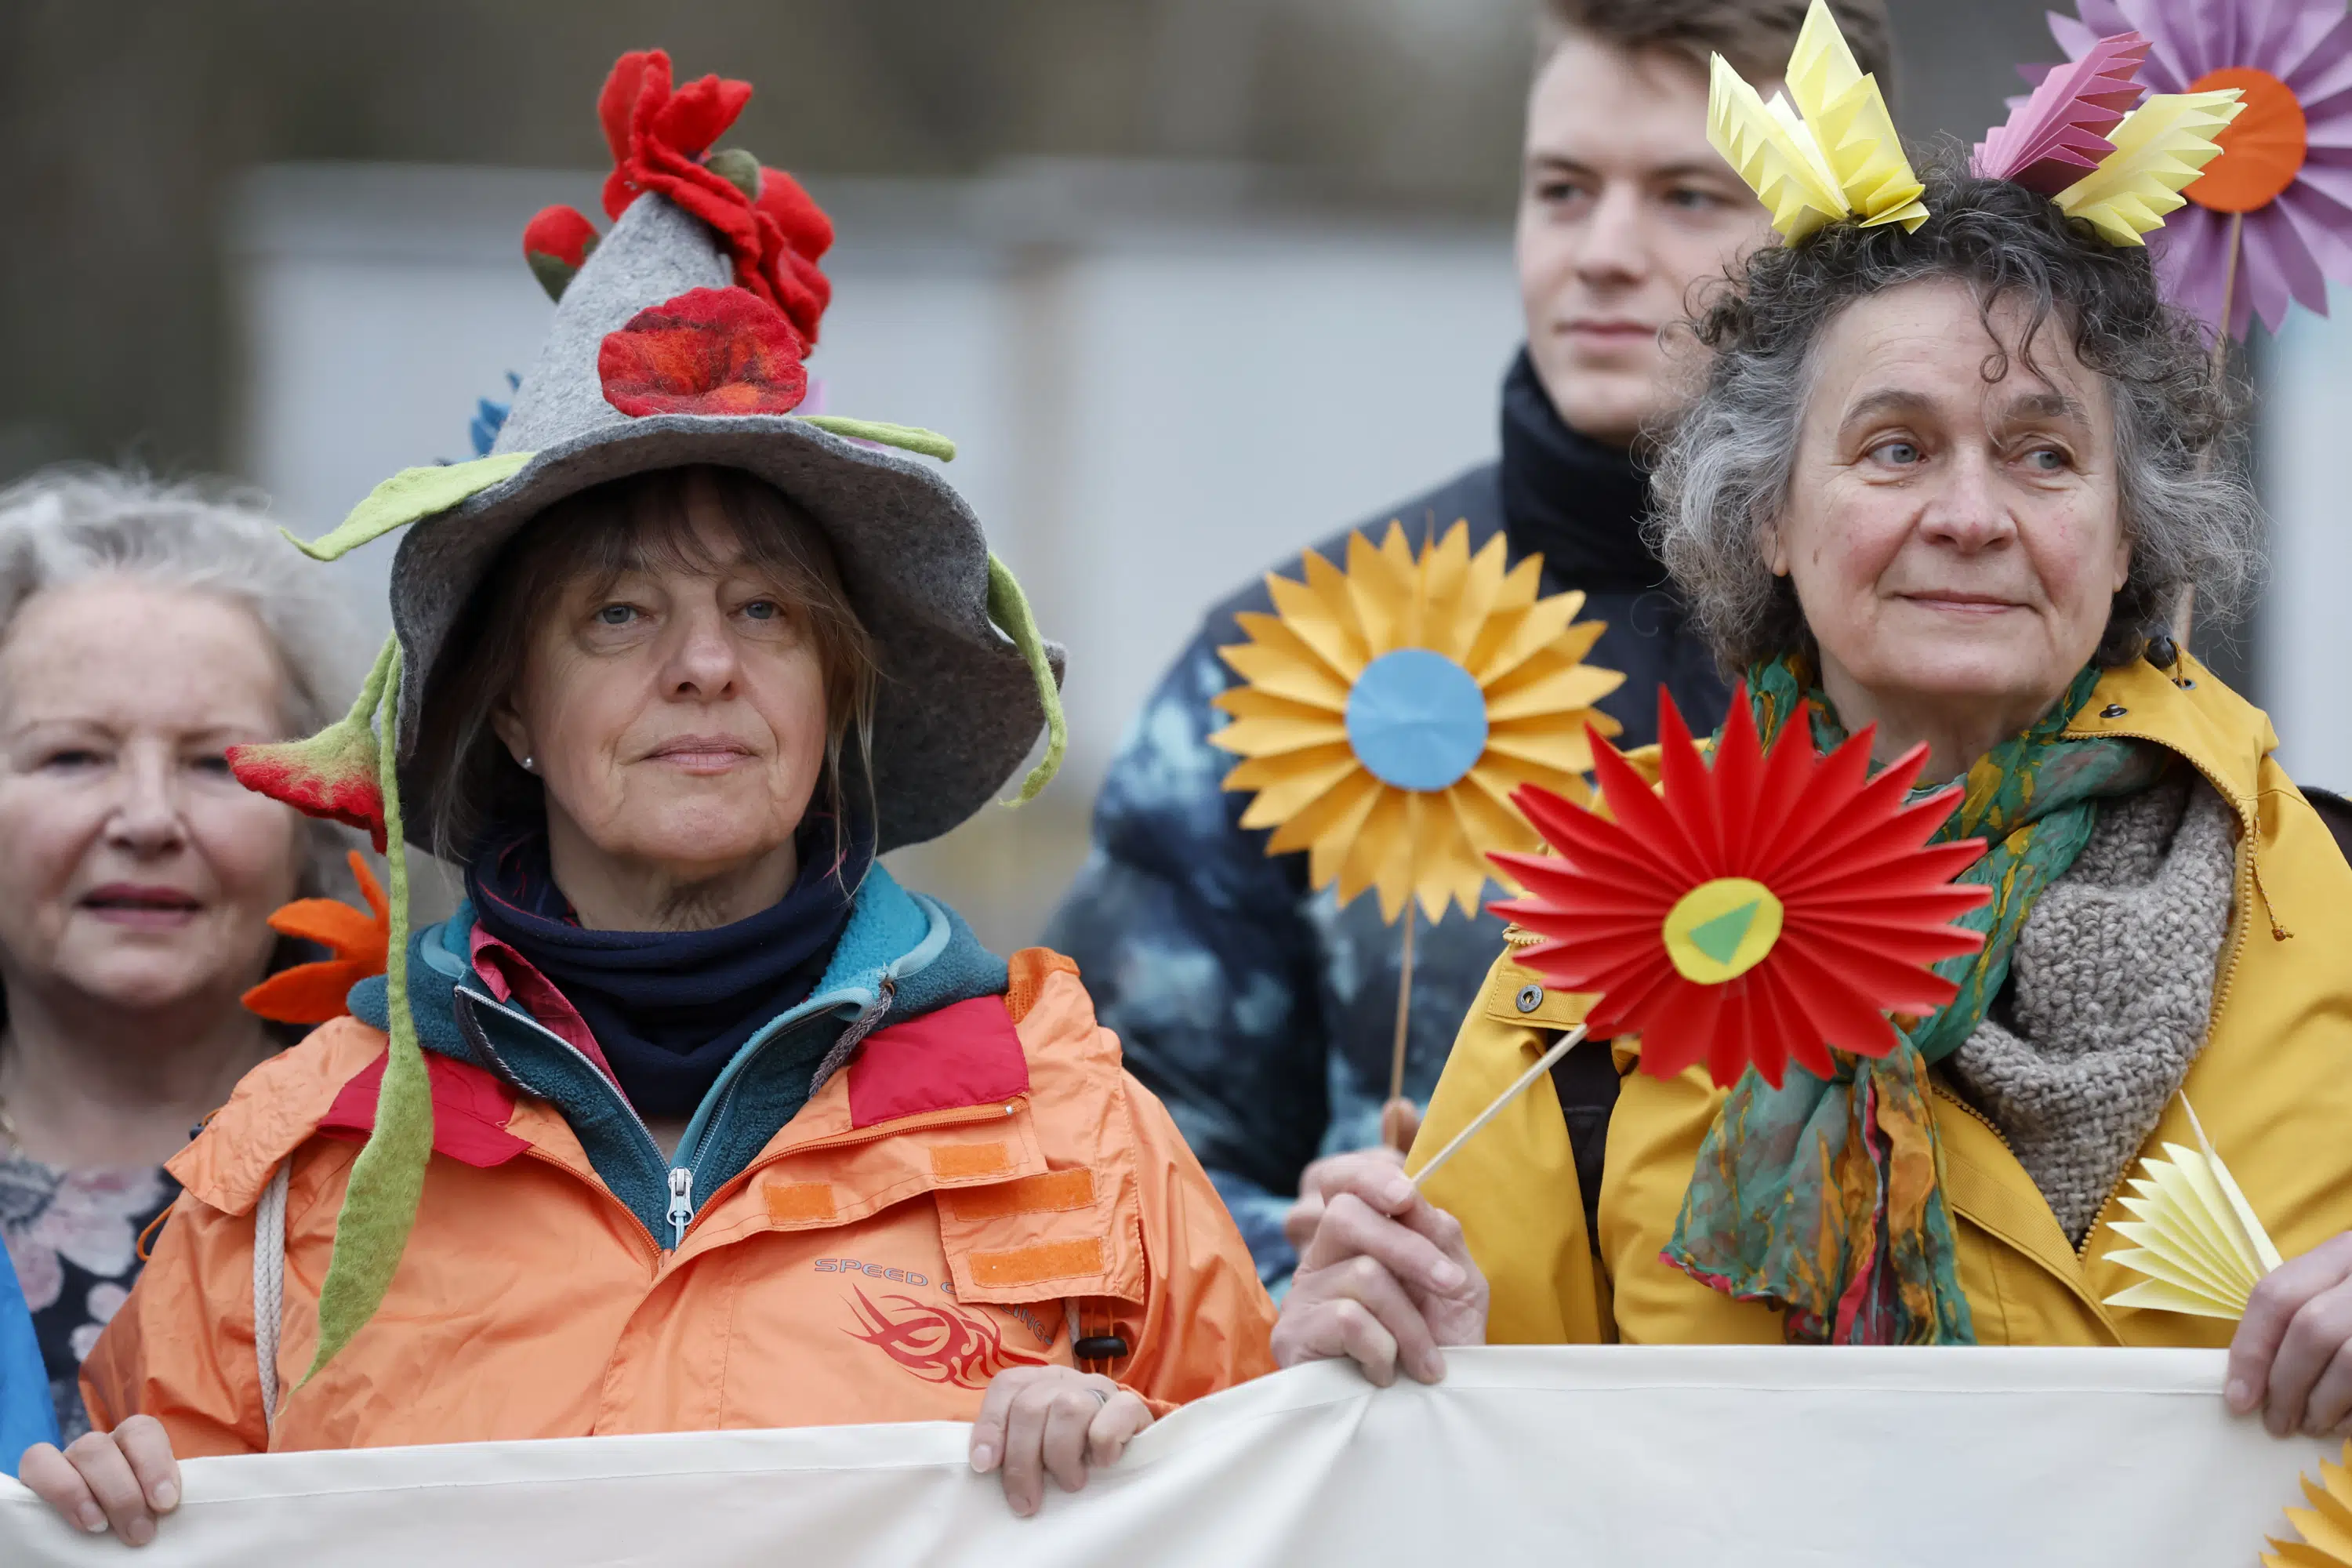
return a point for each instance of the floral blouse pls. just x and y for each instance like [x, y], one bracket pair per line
[74, 1238]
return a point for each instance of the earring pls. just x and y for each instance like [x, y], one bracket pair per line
[530, 764]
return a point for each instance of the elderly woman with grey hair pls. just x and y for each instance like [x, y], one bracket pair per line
[143, 629]
[1950, 483]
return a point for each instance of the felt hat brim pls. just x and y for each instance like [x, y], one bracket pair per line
[957, 707]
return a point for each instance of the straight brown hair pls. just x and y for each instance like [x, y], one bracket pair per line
[1755, 35]
[625, 525]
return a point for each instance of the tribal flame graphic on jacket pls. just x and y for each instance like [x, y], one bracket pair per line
[937, 1343]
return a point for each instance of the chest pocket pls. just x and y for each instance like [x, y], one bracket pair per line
[1046, 1238]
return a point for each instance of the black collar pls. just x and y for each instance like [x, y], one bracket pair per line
[1577, 501]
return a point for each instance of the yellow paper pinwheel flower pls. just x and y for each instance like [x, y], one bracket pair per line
[2325, 1526]
[2160, 147]
[1390, 709]
[1841, 159]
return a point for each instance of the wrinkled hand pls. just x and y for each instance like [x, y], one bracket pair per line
[121, 1481]
[1299, 1225]
[2292, 1356]
[1385, 1280]
[1036, 1421]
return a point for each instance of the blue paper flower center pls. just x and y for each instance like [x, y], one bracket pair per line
[1417, 719]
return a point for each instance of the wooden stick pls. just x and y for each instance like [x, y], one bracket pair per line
[2228, 297]
[1404, 1004]
[1543, 1064]
[2184, 613]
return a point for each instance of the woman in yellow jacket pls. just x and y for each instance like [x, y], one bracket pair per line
[1945, 482]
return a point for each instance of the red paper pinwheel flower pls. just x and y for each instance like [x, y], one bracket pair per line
[1765, 910]
[314, 993]
[660, 136]
[709, 351]
[556, 242]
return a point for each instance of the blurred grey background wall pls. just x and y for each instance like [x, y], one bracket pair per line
[1193, 281]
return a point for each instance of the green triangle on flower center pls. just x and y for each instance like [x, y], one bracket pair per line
[1719, 938]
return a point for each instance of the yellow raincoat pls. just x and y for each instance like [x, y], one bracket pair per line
[2272, 1086]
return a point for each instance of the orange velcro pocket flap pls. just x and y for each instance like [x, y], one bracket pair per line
[1072, 1232]
[1055, 1192]
[799, 1203]
[1048, 1260]
[1029, 969]
[970, 1161]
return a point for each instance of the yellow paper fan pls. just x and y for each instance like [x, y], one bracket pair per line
[2160, 147]
[1851, 125]
[2325, 1526]
[1392, 708]
[2194, 1236]
[1773, 152]
[1841, 159]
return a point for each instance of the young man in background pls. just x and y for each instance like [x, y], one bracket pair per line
[1258, 1009]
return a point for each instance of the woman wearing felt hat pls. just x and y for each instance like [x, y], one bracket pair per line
[690, 1117]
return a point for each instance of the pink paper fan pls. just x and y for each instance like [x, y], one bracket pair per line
[2284, 182]
[2058, 134]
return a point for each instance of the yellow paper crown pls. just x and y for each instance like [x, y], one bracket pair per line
[1841, 159]
[2160, 147]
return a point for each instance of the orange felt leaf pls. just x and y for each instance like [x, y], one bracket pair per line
[314, 993]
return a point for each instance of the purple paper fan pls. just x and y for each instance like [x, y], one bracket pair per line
[2059, 133]
[2290, 250]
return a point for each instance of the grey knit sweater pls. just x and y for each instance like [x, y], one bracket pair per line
[2111, 986]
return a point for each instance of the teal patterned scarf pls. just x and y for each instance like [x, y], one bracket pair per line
[1825, 1197]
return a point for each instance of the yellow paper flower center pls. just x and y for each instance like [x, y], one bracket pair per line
[1720, 929]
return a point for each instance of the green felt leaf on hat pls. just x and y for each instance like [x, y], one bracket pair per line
[387, 1180]
[908, 437]
[408, 495]
[738, 168]
[1008, 607]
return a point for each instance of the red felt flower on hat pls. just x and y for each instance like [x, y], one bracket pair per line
[556, 242]
[1766, 910]
[332, 775]
[314, 993]
[661, 136]
[709, 351]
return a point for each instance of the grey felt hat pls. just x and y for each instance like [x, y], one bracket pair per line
[967, 685]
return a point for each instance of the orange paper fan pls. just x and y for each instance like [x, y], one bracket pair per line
[1766, 910]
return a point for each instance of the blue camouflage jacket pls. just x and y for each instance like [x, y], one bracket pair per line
[1260, 1011]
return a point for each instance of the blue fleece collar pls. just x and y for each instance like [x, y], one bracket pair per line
[930, 954]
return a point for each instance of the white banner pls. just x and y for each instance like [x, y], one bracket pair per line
[1655, 1458]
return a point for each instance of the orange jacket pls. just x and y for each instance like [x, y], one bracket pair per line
[882, 1272]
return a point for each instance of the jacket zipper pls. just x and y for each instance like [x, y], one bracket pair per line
[2237, 942]
[681, 1181]
[2238, 917]
[2074, 1286]
[682, 1174]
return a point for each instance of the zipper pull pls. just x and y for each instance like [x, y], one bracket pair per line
[682, 1204]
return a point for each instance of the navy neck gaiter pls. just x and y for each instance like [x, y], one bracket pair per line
[671, 1009]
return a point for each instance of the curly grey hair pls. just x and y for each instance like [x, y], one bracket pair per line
[1723, 472]
[71, 523]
